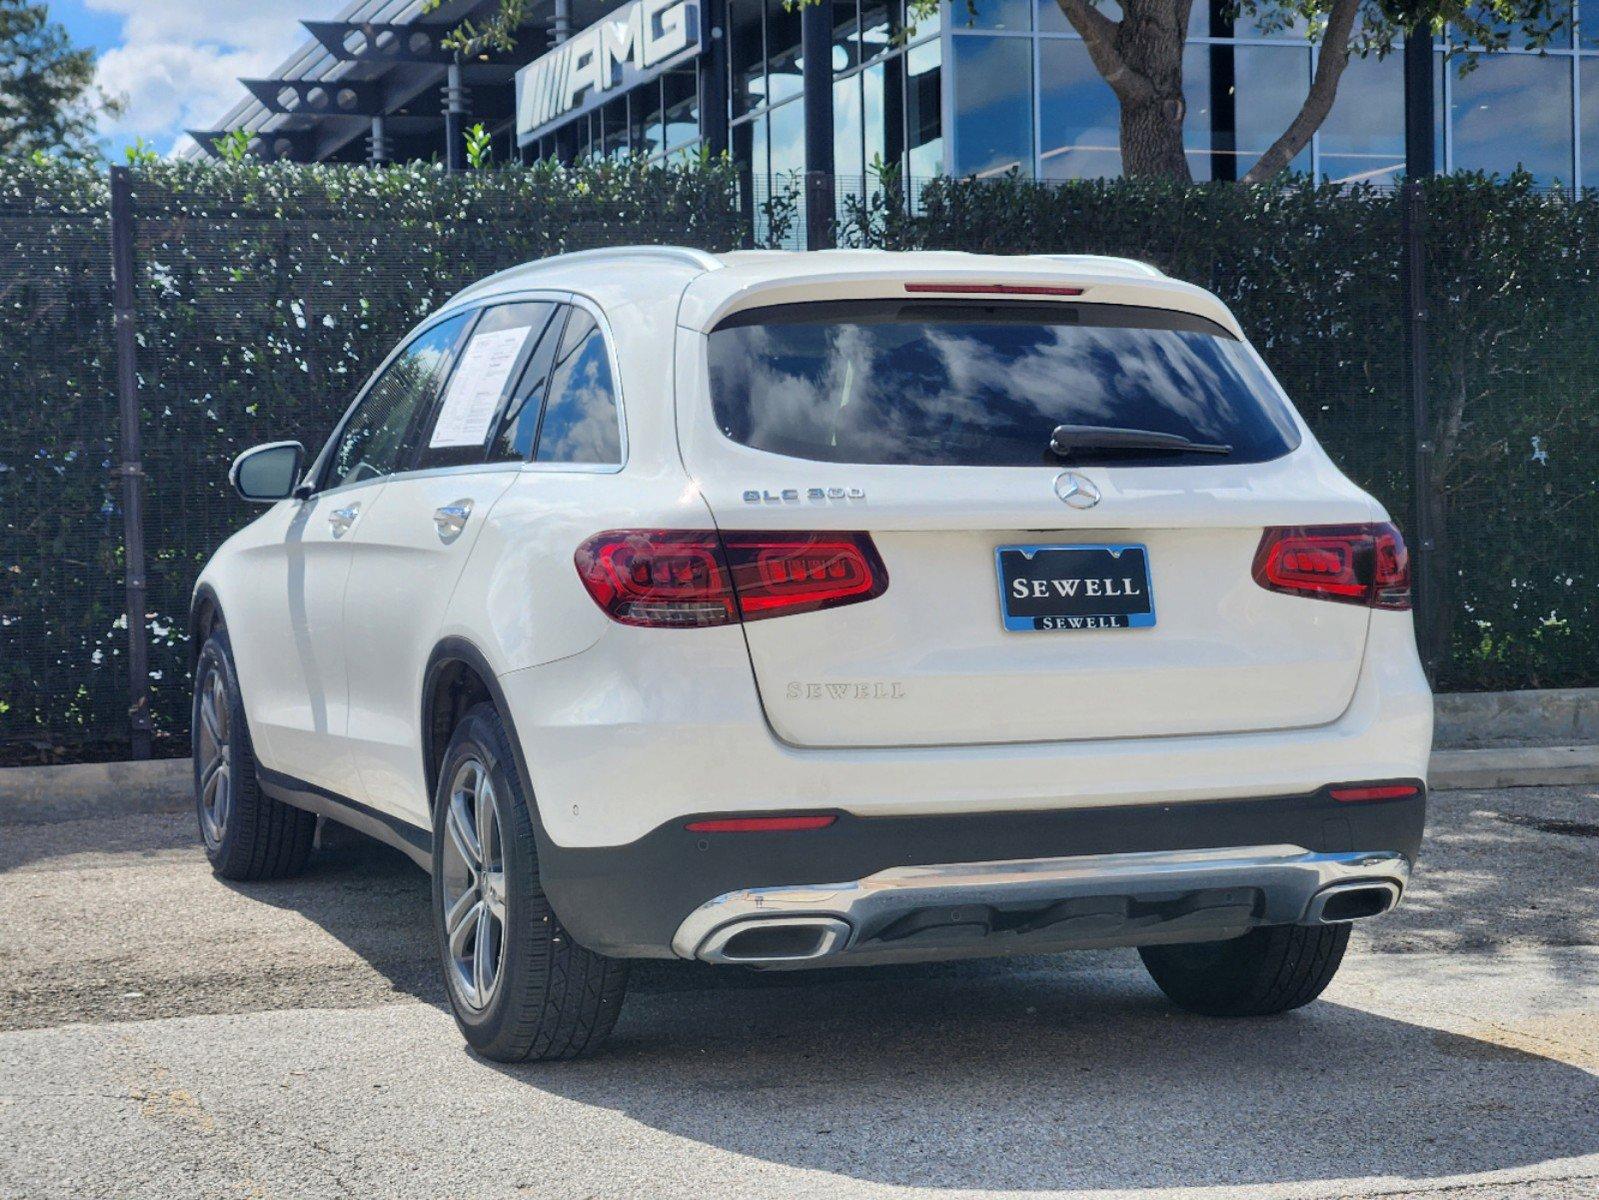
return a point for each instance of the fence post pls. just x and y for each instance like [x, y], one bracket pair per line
[1424, 582]
[131, 468]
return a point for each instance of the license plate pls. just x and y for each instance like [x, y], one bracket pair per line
[1074, 587]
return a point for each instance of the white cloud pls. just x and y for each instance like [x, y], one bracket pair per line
[179, 61]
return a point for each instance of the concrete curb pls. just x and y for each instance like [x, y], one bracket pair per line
[84, 791]
[87, 791]
[1523, 766]
[1513, 720]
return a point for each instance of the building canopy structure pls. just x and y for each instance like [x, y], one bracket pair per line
[823, 93]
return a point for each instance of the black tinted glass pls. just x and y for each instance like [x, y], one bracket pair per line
[580, 419]
[380, 437]
[973, 384]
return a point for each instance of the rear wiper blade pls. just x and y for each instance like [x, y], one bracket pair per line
[1068, 440]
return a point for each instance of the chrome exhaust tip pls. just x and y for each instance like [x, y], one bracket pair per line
[1345, 902]
[774, 941]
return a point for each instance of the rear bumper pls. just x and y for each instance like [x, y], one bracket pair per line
[1042, 904]
[875, 889]
[645, 730]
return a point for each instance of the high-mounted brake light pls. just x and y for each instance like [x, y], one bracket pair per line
[1381, 791]
[696, 578]
[996, 289]
[760, 824]
[1352, 564]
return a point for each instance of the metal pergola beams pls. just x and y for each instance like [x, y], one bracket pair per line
[318, 98]
[376, 42]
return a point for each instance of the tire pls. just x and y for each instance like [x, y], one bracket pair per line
[247, 834]
[519, 986]
[1268, 970]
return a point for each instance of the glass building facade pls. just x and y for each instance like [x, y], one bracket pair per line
[1025, 96]
[1006, 85]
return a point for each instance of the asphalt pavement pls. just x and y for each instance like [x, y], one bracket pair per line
[166, 1034]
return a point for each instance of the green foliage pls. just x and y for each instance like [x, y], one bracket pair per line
[232, 146]
[479, 147]
[140, 153]
[48, 98]
[266, 294]
[470, 39]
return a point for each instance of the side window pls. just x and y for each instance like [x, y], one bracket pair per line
[379, 437]
[520, 426]
[580, 418]
[502, 342]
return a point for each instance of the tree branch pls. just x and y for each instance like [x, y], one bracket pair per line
[1330, 64]
[1099, 37]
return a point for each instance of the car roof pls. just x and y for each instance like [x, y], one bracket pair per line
[708, 287]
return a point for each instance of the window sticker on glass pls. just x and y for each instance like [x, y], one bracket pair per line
[475, 389]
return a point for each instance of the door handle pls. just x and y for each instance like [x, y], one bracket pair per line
[340, 519]
[450, 519]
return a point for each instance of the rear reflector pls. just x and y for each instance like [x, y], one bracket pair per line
[1352, 564]
[695, 578]
[995, 289]
[1394, 791]
[759, 824]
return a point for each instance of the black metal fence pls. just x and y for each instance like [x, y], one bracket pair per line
[247, 304]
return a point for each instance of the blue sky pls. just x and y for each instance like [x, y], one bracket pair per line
[177, 62]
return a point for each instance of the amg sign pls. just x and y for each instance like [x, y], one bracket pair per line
[632, 45]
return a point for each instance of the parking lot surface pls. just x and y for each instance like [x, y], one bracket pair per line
[165, 1034]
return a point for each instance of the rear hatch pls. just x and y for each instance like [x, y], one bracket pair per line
[1098, 589]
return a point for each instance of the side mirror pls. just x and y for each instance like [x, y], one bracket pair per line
[269, 473]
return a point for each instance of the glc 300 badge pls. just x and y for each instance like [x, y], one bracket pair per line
[795, 495]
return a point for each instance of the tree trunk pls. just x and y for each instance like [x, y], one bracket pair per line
[1330, 64]
[1152, 139]
[1141, 58]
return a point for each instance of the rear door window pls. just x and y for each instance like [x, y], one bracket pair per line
[484, 379]
[581, 421]
[977, 384]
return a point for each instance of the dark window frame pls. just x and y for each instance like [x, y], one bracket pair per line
[556, 329]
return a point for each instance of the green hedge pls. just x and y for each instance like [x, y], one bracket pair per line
[267, 293]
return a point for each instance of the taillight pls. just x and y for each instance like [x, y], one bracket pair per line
[1353, 564]
[695, 578]
[779, 573]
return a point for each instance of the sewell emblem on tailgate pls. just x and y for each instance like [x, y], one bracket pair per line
[1076, 491]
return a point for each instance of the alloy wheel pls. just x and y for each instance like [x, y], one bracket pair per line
[474, 886]
[214, 751]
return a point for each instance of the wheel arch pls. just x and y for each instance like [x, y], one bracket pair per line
[458, 675]
[455, 659]
[205, 614]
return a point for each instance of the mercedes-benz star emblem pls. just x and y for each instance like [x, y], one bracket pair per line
[1075, 490]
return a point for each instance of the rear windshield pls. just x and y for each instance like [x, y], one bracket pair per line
[977, 384]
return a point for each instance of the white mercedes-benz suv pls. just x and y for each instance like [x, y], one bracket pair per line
[784, 610]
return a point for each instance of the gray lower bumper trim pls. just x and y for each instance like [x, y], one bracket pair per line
[1279, 882]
